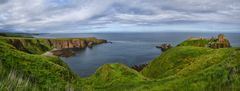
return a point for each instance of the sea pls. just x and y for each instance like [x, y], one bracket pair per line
[126, 48]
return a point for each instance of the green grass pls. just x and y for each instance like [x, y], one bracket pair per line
[110, 75]
[10, 80]
[214, 70]
[197, 43]
[173, 61]
[45, 72]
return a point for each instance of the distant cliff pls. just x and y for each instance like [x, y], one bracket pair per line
[74, 43]
[41, 45]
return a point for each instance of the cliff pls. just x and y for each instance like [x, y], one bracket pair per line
[40, 45]
[75, 42]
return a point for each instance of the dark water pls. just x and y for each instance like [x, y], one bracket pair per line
[127, 48]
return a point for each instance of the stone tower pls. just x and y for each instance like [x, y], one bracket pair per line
[221, 38]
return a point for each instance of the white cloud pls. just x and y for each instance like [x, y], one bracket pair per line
[37, 15]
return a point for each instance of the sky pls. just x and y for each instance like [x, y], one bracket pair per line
[84, 16]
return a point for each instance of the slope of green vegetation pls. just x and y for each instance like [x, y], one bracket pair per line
[109, 76]
[177, 59]
[10, 81]
[222, 75]
[197, 42]
[196, 69]
[45, 72]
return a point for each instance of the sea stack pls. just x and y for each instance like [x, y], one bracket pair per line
[164, 47]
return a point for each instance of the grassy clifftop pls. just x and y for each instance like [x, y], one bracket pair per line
[185, 60]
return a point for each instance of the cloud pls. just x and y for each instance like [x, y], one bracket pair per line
[90, 15]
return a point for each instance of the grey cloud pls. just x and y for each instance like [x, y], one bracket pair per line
[3, 1]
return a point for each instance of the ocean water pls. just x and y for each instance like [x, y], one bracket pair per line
[127, 48]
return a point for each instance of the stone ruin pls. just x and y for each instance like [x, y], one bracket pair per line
[219, 42]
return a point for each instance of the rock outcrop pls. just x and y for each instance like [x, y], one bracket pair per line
[90, 44]
[64, 53]
[64, 44]
[139, 67]
[164, 47]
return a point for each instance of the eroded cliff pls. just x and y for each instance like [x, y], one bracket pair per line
[40, 45]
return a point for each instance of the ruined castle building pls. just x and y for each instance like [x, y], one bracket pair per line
[222, 42]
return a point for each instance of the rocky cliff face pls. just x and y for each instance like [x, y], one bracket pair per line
[39, 45]
[62, 44]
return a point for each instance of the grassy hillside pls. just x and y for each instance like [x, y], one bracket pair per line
[11, 80]
[198, 43]
[196, 68]
[177, 59]
[111, 76]
[46, 72]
